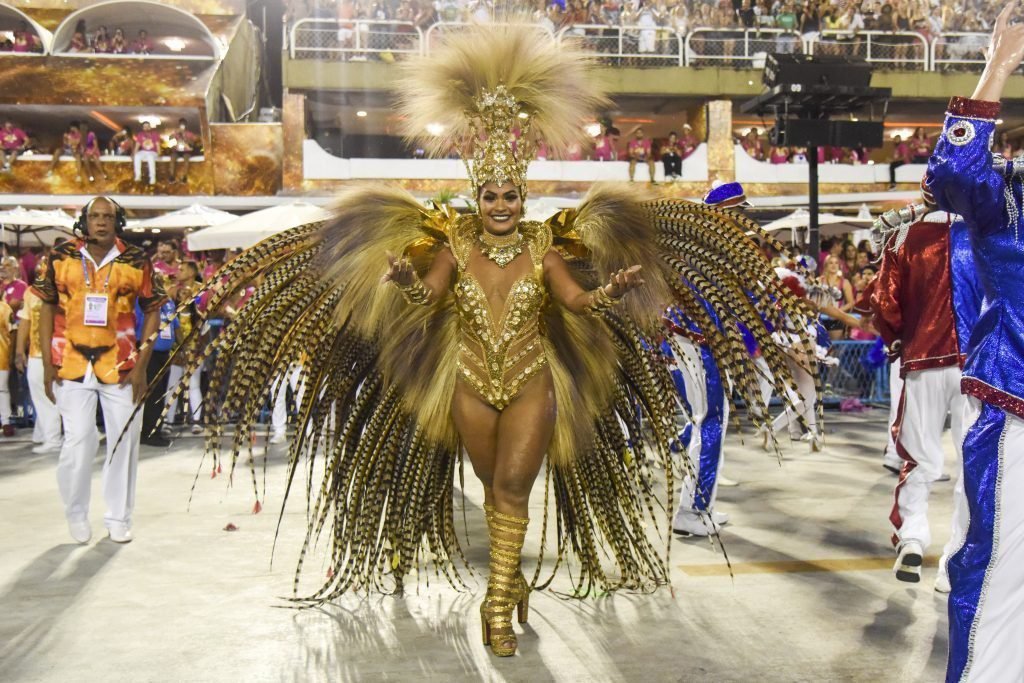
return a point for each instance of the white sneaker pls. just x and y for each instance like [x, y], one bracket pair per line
[727, 482]
[80, 531]
[942, 583]
[719, 518]
[943, 477]
[278, 437]
[44, 448]
[689, 523]
[197, 429]
[909, 561]
[120, 534]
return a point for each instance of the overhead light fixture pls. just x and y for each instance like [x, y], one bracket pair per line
[435, 129]
[151, 119]
[175, 44]
[155, 230]
[361, 114]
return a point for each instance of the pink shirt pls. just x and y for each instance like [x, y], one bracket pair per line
[13, 138]
[901, 153]
[166, 269]
[603, 150]
[15, 291]
[642, 147]
[147, 141]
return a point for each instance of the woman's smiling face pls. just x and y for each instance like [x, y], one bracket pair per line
[501, 207]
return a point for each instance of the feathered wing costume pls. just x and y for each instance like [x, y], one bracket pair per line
[379, 374]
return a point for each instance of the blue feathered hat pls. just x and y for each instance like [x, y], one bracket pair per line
[729, 194]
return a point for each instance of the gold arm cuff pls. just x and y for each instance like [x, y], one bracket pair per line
[600, 301]
[416, 293]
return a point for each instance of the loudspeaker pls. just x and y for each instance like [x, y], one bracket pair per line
[800, 132]
[790, 69]
[857, 133]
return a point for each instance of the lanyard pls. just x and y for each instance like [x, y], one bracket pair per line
[88, 280]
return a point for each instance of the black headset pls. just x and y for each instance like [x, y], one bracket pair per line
[81, 225]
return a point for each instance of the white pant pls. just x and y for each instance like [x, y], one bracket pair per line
[77, 404]
[891, 457]
[279, 416]
[47, 427]
[806, 403]
[195, 393]
[990, 566]
[691, 365]
[928, 395]
[150, 159]
[5, 397]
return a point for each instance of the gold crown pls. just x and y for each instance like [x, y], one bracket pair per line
[500, 155]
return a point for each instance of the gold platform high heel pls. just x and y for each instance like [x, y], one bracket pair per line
[506, 586]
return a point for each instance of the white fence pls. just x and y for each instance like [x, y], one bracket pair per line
[635, 45]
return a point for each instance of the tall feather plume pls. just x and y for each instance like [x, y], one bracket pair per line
[554, 86]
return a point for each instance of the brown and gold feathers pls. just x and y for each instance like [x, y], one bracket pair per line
[491, 91]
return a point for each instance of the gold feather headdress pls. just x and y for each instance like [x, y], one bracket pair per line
[497, 89]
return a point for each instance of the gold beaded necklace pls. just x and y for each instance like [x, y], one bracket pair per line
[501, 249]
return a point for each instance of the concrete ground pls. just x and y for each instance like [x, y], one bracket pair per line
[812, 597]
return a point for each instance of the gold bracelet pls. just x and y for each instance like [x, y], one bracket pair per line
[415, 293]
[600, 301]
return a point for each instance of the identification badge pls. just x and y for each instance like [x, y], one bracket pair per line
[96, 310]
[166, 333]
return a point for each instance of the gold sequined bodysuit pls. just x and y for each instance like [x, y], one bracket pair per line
[497, 357]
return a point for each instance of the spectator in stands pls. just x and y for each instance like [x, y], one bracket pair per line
[142, 45]
[26, 40]
[638, 150]
[920, 146]
[91, 154]
[79, 43]
[745, 16]
[101, 41]
[122, 143]
[687, 143]
[147, 146]
[753, 145]
[605, 146]
[71, 145]
[900, 156]
[671, 158]
[841, 295]
[165, 261]
[119, 43]
[787, 20]
[13, 141]
[183, 145]
[778, 154]
[850, 253]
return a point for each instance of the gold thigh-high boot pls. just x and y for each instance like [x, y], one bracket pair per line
[506, 587]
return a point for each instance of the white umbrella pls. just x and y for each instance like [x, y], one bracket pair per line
[830, 225]
[247, 230]
[41, 226]
[195, 216]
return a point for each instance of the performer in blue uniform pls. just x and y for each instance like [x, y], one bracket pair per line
[704, 390]
[986, 606]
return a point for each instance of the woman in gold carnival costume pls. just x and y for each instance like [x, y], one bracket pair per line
[516, 341]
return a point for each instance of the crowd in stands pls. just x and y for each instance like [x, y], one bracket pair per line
[86, 147]
[804, 19]
[23, 40]
[104, 41]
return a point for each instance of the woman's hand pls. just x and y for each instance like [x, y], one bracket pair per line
[400, 271]
[622, 281]
[1005, 55]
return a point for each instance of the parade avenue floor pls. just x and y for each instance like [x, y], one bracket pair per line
[811, 598]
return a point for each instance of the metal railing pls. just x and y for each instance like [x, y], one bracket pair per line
[958, 51]
[636, 45]
[888, 48]
[352, 40]
[861, 373]
[630, 45]
[738, 47]
[432, 35]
